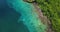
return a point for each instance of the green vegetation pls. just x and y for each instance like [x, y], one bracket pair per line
[51, 9]
[29, 1]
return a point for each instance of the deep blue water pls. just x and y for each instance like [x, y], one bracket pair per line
[8, 19]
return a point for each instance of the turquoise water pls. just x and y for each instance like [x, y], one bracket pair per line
[9, 18]
[28, 15]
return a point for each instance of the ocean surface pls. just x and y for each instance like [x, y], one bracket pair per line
[19, 16]
[9, 18]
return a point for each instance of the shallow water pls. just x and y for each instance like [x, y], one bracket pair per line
[28, 15]
[8, 19]
[19, 16]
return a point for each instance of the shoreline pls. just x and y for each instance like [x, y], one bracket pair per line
[43, 18]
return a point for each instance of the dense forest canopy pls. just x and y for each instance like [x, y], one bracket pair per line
[51, 9]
